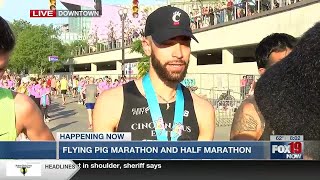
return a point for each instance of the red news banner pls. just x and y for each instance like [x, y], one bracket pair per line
[63, 13]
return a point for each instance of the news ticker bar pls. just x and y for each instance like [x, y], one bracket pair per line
[153, 150]
[144, 169]
[63, 13]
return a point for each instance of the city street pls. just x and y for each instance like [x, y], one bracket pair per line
[73, 118]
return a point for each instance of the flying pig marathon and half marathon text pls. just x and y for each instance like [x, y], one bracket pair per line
[151, 150]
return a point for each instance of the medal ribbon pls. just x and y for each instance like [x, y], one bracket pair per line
[156, 115]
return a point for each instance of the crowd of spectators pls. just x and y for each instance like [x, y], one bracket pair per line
[225, 11]
[200, 16]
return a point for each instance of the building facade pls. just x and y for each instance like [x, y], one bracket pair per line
[106, 28]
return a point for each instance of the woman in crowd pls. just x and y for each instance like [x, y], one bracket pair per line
[23, 86]
[115, 83]
[44, 92]
[80, 87]
[36, 92]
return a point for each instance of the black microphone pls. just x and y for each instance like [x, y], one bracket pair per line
[184, 137]
[169, 133]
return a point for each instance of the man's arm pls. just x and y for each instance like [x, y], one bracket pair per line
[205, 114]
[29, 119]
[107, 110]
[248, 123]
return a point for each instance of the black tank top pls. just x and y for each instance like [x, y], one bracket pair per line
[136, 118]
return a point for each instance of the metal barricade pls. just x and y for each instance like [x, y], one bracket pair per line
[224, 111]
[224, 91]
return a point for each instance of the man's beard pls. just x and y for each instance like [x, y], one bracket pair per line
[164, 74]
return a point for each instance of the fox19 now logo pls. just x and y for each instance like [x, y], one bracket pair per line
[286, 147]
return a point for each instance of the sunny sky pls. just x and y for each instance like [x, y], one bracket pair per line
[20, 9]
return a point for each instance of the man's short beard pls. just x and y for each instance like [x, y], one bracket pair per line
[164, 74]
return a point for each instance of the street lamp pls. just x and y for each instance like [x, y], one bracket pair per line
[123, 15]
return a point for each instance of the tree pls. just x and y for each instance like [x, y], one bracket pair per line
[77, 47]
[18, 26]
[93, 37]
[111, 35]
[34, 45]
[144, 62]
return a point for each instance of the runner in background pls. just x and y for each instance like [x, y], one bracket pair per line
[69, 90]
[37, 89]
[75, 83]
[83, 95]
[91, 90]
[45, 101]
[23, 87]
[64, 89]
[58, 87]
[80, 87]
[53, 84]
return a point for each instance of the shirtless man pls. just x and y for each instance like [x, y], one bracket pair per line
[19, 113]
[158, 107]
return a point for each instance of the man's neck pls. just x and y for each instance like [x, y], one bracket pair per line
[164, 89]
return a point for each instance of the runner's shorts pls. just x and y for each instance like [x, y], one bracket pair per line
[90, 105]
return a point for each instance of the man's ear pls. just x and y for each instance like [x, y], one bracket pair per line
[261, 71]
[146, 45]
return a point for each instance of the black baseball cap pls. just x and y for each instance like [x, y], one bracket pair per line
[168, 22]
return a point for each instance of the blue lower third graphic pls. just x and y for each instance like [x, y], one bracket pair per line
[161, 150]
[28, 150]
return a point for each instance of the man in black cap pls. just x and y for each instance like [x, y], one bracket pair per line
[157, 106]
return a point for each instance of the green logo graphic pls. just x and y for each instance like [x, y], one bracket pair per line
[23, 170]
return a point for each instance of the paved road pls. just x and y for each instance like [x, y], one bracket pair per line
[73, 118]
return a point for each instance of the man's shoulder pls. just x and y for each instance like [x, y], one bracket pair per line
[113, 93]
[201, 103]
[24, 106]
[249, 103]
[22, 101]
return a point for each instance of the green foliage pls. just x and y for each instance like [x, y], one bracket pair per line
[77, 46]
[137, 47]
[143, 66]
[34, 43]
[144, 62]
[18, 26]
